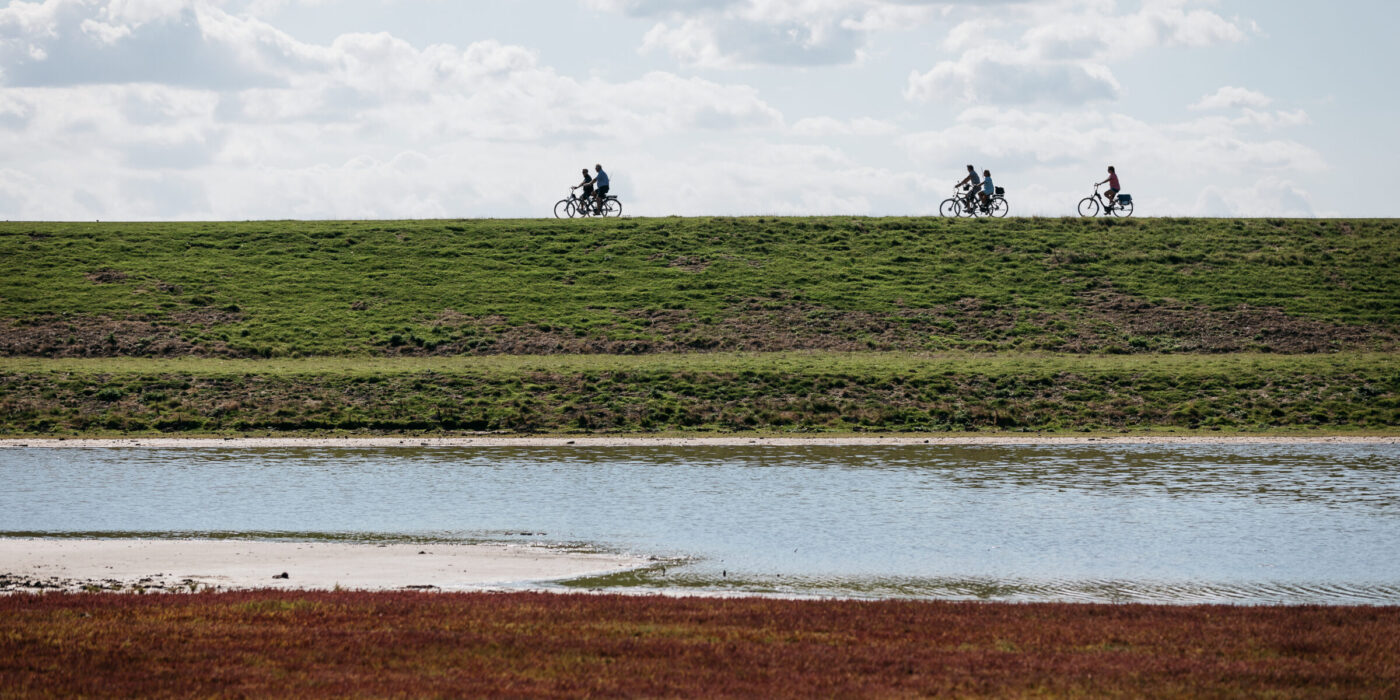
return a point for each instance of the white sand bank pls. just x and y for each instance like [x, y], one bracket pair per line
[607, 441]
[225, 564]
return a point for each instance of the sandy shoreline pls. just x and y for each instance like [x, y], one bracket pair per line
[641, 441]
[175, 565]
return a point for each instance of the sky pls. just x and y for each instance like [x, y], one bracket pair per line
[352, 109]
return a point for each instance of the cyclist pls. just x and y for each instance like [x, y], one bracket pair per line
[601, 179]
[587, 185]
[987, 189]
[1111, 196]
[972, 180]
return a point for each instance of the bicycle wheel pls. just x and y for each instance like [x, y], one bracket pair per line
[1124, 209]
[564, 209]
[999, 207]
[1089, 206]
[950, 208]
[612, 207]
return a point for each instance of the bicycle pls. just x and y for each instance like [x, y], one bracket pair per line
[1091, 205]
[966, 203]
[952, 207]
[573, 206]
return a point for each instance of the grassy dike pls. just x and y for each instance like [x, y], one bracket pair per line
[832, 324]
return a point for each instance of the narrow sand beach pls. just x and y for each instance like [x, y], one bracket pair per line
[641, 441]
[59, 564]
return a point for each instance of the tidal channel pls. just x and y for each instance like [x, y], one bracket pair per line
[1246, 523]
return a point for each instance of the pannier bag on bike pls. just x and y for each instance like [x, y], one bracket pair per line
[1001, 190]
[1125, 199]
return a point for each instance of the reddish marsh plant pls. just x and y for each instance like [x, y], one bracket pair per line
[337, 644]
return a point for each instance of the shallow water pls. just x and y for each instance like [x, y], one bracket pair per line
[1179, 523]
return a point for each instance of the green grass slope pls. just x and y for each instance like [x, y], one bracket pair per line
[287, 289]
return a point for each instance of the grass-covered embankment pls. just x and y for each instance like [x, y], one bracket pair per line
[630, 326]
[784, 392]
[341, 644]
[279, 289]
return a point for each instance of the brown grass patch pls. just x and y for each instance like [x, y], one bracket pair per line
[101, 336]
[1107, 321]
[1195, 328]
[106, 275]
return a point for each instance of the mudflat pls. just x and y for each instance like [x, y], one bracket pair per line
[125, 564]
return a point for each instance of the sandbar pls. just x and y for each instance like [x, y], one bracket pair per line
[185, 564]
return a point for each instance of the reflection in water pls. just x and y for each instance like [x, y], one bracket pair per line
[1315, 523]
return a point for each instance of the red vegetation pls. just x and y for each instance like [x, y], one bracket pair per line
[341, 644]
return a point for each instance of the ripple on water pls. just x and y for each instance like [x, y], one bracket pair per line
[1005, 590]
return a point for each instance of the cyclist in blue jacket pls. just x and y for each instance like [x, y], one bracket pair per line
[601, 182]
[987, 189]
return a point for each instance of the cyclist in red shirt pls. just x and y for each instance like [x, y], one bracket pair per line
[1111, 196]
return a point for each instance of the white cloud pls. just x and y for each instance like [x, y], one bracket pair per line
[1096, 31]
[1093, 136]
[103, 32]
[980, 79]
[96, 121]
[1233, 98]
[1275, 120]
[692, 42]
[742, 33]
[83, 42]
[1059, 51]
[1250, 105]
[367, 125]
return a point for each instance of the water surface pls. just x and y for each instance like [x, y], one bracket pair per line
[1178, 523]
